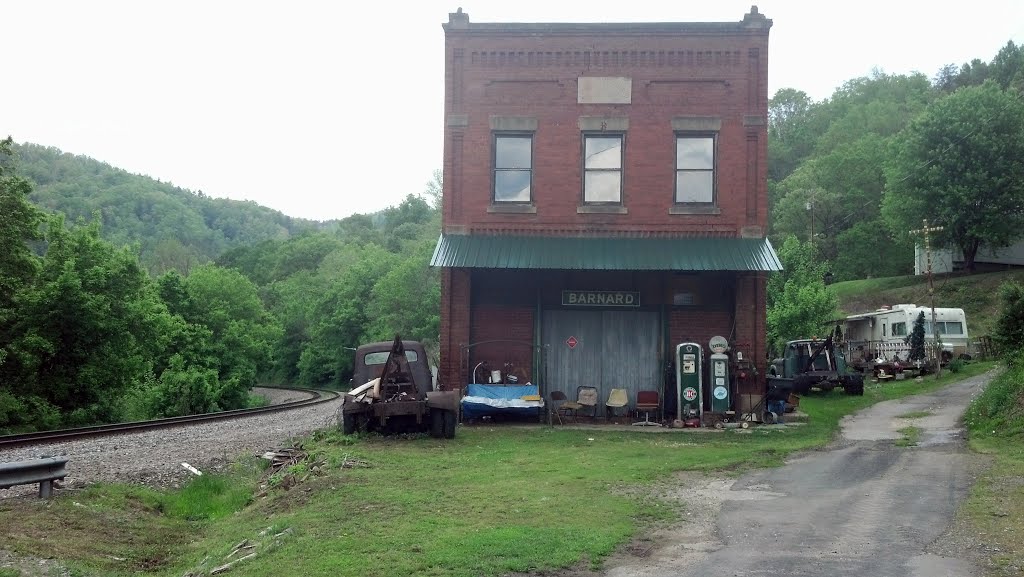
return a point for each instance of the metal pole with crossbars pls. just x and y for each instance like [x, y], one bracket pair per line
[925, 231]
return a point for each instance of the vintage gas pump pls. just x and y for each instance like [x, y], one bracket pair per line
[689, 399]
[721, 398]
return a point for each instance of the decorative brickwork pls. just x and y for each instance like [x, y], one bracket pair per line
[652, 82]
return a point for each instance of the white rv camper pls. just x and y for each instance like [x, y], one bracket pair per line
[883, 333]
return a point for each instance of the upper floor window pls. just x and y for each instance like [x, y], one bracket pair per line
[602, 168]
[695, 169]
[513, 168]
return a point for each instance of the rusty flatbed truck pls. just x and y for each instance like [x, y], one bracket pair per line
[401, 399]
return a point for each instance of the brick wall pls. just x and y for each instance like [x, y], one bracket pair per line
[716, 70]
[455, 315]
[513, 326]
[498, 72]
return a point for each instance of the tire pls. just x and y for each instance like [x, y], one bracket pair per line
[437, 423]
[449, 419]
[854, 390]
[349, 423]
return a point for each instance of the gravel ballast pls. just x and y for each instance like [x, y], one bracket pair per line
[155, 457]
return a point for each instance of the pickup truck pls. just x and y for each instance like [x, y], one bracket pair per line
[395, 393]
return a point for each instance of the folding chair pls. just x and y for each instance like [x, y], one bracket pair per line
[647, 401]
[617, 399]
[587, 397]
[560, 404]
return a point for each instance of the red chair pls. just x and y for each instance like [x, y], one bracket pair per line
[647, 401]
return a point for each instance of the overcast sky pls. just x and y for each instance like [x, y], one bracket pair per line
[325, 109]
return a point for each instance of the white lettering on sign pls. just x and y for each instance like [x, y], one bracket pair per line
[601, 298]
[689, 393]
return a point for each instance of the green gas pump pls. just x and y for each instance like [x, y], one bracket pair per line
[690, 401]
[719, 385]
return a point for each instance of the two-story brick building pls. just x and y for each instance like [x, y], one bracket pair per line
[605, 198]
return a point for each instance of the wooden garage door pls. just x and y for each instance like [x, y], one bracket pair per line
[614, 349]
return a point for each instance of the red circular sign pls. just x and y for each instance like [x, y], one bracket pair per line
[572, 342]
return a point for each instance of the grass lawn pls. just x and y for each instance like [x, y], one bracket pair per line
[494, 500]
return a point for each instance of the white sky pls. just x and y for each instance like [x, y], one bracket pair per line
[324, 109]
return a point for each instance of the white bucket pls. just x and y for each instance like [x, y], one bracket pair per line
[495, 376]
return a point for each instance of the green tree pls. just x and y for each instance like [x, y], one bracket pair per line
[799, 303]
[916, 339]
[341, 316]
[961, 165]
[407, 299]
[19, 224]
[88, 329]
[791, 134]
[1009, 329]
[242, 332]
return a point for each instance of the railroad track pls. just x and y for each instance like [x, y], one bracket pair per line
[41, 437]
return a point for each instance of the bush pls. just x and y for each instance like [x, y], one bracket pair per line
[999, 410]
[956, 365]
[26, 414]
[1009, 329]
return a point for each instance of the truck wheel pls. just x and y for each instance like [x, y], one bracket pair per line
[450, 419]
[437, 423]
[349, 424]
[857, 390]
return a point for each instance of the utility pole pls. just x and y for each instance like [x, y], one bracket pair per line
[925, 230]
[810, 209]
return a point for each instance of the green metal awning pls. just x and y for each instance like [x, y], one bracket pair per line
[604, 253]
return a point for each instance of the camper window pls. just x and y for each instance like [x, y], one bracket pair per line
[884, 327]
[899, 329]
[951, 328]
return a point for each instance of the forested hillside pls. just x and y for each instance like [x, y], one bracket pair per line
[90, 331]
[174, 228]
[856, 172]
[852, 178]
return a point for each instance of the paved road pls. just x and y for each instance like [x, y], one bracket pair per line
[863, 507]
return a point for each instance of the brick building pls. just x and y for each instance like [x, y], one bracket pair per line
[605, 198]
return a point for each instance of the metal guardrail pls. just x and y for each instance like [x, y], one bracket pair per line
[43, 471]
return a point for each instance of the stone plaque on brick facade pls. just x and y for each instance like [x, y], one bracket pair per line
[604, 90]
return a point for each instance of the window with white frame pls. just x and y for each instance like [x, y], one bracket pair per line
[513, 168]
[695, 169]
[602, 168]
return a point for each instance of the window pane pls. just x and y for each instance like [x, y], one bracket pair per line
[694, 186]
[381, 357]
[512, 152]
[603, 152]
[602, 186]
[512, 186]
[952, 328]
[695, 153]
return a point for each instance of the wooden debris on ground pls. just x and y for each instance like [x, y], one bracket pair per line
[267, 539]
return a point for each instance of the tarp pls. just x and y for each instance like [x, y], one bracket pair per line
[481, 400]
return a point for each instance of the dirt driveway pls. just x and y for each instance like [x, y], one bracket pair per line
[863, 506]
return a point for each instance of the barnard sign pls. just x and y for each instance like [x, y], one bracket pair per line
[600, 299]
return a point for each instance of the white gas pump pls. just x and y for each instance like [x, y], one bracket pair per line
[719, 385]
